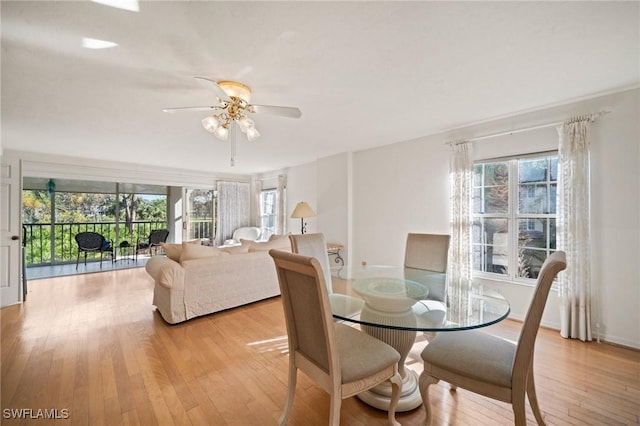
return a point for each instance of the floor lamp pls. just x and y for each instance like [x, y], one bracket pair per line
[301, 211]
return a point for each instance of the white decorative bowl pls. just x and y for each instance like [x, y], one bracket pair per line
[389, 294]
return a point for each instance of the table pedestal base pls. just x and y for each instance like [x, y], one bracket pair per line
[402, 341]
[380, 396]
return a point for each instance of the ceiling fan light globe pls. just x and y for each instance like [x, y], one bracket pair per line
[222, 133]
[252, 134]
[246, 124]
[210, 123]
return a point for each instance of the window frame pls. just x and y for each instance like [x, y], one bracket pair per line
[275, 210]
[513, 217]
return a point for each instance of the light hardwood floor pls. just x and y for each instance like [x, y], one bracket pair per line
[93, 345]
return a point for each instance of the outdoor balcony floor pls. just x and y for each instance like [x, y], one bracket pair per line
[39, 272]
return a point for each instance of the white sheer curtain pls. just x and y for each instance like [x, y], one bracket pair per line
[461, 190]
[280, 213]
[234, 200]
[257, 194]
[574, 228]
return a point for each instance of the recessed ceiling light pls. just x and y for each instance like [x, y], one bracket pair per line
[92, 43]
[131, 5]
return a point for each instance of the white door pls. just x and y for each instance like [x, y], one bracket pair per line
[199, 218]
[10, 235]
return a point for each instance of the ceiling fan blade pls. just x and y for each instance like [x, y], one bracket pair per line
[291, 112]
[221, 94]
[194, 108]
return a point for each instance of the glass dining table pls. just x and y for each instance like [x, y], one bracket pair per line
[393, 304]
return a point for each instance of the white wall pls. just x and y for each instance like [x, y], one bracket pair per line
[403, 188]
[302, 185]
[332, 199]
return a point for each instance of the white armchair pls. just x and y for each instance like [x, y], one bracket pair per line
[250, 233]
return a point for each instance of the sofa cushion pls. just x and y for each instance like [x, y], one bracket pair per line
[193, 251]
[173, 251]
[236, 249]
[280, 242]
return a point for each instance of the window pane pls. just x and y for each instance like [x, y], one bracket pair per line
[477, 175]
[529, 262]
[490, 251]
[496, 199]
[532, 170]
[496, 174]
[532, 199]
[268, 200]
[532, 233]
[553, 169]
[491, 188]
[553, 188]
[535, 240]
[477, 200]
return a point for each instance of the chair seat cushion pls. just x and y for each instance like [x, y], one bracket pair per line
[472, 354]
[362, 355]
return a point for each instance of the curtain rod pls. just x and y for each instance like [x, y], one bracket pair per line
[590, 117]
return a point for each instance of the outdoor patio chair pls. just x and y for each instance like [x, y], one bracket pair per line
[92, 242]
[152, 243]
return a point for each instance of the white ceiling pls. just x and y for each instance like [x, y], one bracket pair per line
[363, 74]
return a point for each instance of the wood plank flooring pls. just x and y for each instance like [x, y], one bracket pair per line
[93, 348]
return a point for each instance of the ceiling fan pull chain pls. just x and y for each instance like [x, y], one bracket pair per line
[232, 143]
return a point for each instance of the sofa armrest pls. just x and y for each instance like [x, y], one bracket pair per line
[166, 272]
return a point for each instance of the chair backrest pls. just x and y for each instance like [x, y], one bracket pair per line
[313, 245]
[158, 236]
[89, 240]
[555, 263]
[427, 251]
[308, 315]
[250, 233]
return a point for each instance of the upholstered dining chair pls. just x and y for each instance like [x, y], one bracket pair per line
[92, 242]
[427, 252]
[489, 365]
[156, 237]
[313, 245]
[340, 359]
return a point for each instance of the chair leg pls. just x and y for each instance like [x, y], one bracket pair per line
[519, 413]
[101, 253]
[293, 371]
[77, 260]
[336, 404]
[424, 382]
[533, 399]
[396, 388]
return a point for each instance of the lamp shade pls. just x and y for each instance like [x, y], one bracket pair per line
[302, 210]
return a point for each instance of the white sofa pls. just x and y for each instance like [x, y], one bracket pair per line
[195, 280]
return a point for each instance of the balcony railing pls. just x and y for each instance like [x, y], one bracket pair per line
[41, 248]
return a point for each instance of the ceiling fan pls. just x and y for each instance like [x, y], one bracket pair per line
[233, 106]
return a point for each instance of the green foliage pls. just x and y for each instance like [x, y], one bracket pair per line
[79, 212]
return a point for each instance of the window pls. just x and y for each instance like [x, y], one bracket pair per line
[268, 212]
[514, 215]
